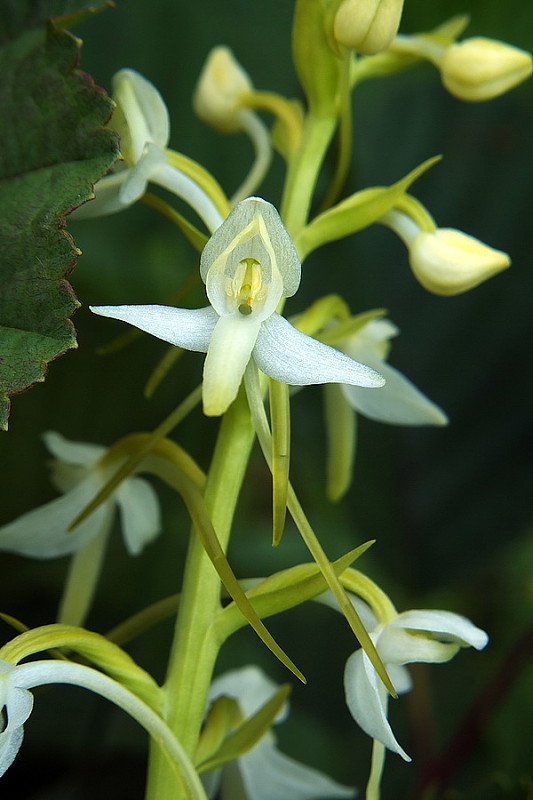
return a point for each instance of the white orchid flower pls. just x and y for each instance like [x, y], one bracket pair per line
[141, 119]
[399, 402]
[248, 266]
[264, 773]
[80, 472]
[412, 636]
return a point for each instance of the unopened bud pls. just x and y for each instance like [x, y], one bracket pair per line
[368, 26]
[480, 69]
[448, 261]
[222, 83]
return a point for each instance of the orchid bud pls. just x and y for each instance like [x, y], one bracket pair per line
[222, 83]
[448, 261]
[368, 26]
[480, 69]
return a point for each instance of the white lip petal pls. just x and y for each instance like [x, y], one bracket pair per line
[268, 774]
[43, 532]
[399, 402]
[229, 351]
[183, 327]
[290, 356]
[447, 626]
[79, 453]
[366, 698]
[140, 513]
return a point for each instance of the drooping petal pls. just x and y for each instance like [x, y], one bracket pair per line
[10, 744]
[79, 453]
[229, 351]
[366, 698]
[268, 774]
[399, 402]
[445, 625]
[43, 532]
[140, 513]
[290, 356]
[188, 328]
[398, 646]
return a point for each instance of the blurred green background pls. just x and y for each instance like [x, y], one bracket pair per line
[450, 508]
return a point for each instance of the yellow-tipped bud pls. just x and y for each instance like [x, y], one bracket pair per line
[222, 83]
[368, 26]
[480, 69]
[448, 261]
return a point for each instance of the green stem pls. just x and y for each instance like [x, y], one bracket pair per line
[303, 171]
[195, 648]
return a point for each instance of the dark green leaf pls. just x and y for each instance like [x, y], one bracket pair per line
[53, 147]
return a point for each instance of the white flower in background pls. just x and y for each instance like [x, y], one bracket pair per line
[141, 119]
[80, 472]
[412, 636]
[248, 266]
[399, 402]
[264, 773]
[445, 261]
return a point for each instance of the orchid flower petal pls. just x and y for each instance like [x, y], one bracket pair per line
[268, 774]
[398, 646]
[400, 402]
[229, 351]
[446, 625]
[366, 698]
[290, 356]
[250, 218]
[43, 532]
[18, 704]
[144, 110]
[10, 744]
[249, 686]
[79, 453]
[140, 173]
[183, 327]
[140, 513]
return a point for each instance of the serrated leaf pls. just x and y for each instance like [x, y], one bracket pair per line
[53, 148]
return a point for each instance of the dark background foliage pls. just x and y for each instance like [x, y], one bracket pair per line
[450, 508]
